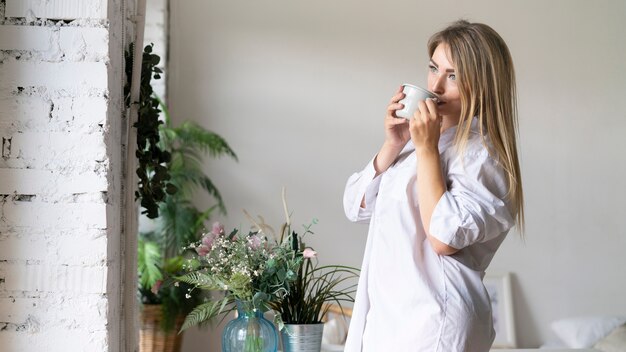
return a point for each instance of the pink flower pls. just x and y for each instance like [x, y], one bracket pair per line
[156, 287]
[217, 229]
[208, 239]
[203, 250]
[309, 253]
[254, 242]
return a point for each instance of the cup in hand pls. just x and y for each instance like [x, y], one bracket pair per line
[413, 95]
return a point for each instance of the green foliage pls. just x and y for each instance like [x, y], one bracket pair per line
[171, 172]
[154, 274]
[207, 311]
[149, 260]
[188, 144]
[314, 287]
[152, 170]
[201, 280]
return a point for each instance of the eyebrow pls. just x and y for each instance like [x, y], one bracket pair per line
[437, 66]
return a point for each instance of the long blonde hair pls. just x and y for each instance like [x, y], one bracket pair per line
[486, 81]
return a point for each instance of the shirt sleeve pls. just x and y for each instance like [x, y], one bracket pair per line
[474, 209]
[359, 185]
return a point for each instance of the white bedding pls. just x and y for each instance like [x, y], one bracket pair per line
[604, 333]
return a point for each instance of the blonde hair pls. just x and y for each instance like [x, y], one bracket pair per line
[486, 81]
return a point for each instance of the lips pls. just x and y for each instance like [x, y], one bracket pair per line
[438, 101]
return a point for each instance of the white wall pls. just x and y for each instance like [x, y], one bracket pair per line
[60, 175]
[299, 89]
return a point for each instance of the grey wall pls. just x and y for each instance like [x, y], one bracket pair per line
[299, 89]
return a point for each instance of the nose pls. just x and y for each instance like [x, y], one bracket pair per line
[438, 85]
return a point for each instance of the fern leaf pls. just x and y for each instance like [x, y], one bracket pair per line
[200, 280]
[149, 259]
[201, 314]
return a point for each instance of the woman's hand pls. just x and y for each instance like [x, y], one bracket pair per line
[425, 127]
[396, 135]
[396, 129]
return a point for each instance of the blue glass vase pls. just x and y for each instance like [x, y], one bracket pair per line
[249, 332]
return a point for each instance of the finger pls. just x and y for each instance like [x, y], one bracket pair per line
[432, 108]
[394, 107]
[423, 109]
[396, 98]
[398, 121]
[417, 119]
[414, 125]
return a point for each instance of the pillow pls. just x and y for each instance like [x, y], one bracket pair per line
[584, 332]
[613, 342]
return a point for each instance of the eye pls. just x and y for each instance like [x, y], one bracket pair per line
[433, 69]
[452, 77]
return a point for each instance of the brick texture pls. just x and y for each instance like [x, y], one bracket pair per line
[57, 9]
[60, 174]
[25, 38]
[81, 75]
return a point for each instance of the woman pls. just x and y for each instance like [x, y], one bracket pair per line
[440, 197]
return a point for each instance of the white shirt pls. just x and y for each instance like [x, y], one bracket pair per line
[409, 298]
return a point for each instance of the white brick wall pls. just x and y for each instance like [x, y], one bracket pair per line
[25, 38]
[75, 75]
[57, 9]
[60, 174]
[55, 319]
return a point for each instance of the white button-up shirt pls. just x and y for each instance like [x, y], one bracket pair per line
[409, 298]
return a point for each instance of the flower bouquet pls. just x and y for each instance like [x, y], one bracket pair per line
[258, 273]
[253, 270]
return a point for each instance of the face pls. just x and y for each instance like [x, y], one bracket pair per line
[442, 81]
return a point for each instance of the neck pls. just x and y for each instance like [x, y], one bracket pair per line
[449, 121]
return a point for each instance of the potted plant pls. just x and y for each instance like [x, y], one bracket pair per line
[171, 173]
[299, 313]
[179, 223]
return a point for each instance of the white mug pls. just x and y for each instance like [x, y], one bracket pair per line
[413, 95]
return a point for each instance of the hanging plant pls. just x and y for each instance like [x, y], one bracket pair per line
[154, 176]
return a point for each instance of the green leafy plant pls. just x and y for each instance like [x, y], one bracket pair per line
[152, 157]
[171, 170]
[315, 286]
[180, 222]
[188, 144]
[154, 270]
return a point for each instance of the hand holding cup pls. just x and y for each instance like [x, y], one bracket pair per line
[412, 96]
